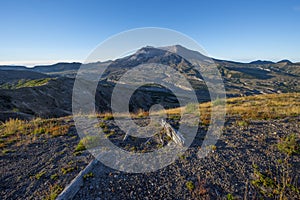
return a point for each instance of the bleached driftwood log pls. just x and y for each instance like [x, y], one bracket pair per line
[176, 136]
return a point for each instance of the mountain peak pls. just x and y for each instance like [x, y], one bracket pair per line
[186, 53]
[177, 49]
[147, 51]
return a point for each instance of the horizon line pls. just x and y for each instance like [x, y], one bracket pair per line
[33, 63]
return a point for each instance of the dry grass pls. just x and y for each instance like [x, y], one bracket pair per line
[141, 114]
[108, 116]
[269, 106]
[20, 131]
[11, 127]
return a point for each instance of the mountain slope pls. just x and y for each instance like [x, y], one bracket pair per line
[53, 97]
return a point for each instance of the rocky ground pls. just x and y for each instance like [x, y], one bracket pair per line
[245, 163]
[245, 153]
[41, 167]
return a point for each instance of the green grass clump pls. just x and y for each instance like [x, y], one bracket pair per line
[213, 147]
[229, 196]
[54, 176]
[87, 142]
[289, 145]
[80, 146]
[282, 182]
[40, 174]
[266, 185]
[67, 170]
[106, 130]
[243, 123]
[54, 192]
[102, 125]
[190, 185]
[111, 133]
[88, 175]
[39, 130]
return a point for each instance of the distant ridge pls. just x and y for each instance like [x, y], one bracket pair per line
[61, 66]
[58, 67]
[285, 61]
[12, 67]
[261, 62]
[178, 49]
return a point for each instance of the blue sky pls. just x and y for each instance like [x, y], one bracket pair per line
[40, 32]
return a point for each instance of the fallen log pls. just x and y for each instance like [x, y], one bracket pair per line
[175, 135]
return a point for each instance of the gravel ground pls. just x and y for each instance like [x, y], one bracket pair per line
[226, 172]
[34, 170]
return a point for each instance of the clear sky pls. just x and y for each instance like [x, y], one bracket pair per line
[41, 31]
